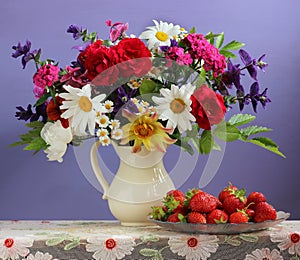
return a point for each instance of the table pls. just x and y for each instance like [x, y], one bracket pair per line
[46, 240]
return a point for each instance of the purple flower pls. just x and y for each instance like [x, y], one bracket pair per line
[75, 30]
[124, 100]
[260, 63]
[254, 97]
[174, 43]
[40, 111]
[23, 114]
[249, 63]
[25, 52]
[232, 75]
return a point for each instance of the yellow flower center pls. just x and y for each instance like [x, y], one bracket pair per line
[162, 36]
[102, 121]
[177, 105]
[85, 104]
[102, 133]
[143, 130]
[108, 106]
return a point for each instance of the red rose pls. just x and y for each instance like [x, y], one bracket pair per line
[207, 107]
[99, 61]
[135, 57]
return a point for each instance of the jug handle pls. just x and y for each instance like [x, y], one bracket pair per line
[98, 172]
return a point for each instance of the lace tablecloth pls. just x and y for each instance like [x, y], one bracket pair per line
[45, 240]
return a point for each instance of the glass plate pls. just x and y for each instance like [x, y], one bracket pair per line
[227, 228]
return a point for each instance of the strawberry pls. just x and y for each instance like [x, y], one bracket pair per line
[235, 201]
[203, 202]
[176, 217]
[264, 211]
[238, 217]
[196, 217]
[217, 216]
[227, 191]
[174, 202]
[250, 213]
[254, 198]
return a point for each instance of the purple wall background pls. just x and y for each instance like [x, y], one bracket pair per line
[32, 188]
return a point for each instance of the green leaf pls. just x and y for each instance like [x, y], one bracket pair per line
[227, 132]
[267, 144]
[252, 130]
[36, 144]
[194, 132]
[249, 238]
[158, 256]
[35, 124]
[193, 30]
[206, 142]
[148, 252]
[220, 40]
[42, 99]
[147, 86]
[184, 144]
[241, 119]
[73, 244]
[227, 54]
[233, 45]
[201, 79]
[55, 241]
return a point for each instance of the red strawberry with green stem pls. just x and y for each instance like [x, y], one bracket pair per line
[176, 217]
[239, 216]
[227, 191]
[217, 216]
[235, 201]
[174, 202]
[254, 198]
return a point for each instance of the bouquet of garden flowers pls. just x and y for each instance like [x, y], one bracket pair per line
[167, 86]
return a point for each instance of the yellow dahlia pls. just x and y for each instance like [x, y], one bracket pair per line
[145, 130]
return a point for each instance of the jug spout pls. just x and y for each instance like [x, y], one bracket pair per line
[97, 170]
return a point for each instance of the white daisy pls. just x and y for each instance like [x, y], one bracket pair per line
[57, 137]
[39, 256]
[109, 106]
[13, 248]
[102, 120]
[104, 140]
[175, 106]
[287, 240]
[81, 108]
[102, 132]
[110, 248]
[264, 253]
[114, 124]
[117, 134]
[194, 247]
[160, 34]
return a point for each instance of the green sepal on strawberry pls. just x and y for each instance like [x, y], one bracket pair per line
[158, 213]
[174, 202]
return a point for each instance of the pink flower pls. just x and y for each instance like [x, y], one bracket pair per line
[37, 91]
[46, 76]
[201, 49]
[74, 77]
[177, 54]
[116, 30]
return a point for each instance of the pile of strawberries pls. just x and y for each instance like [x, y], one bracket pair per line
[197, 206]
